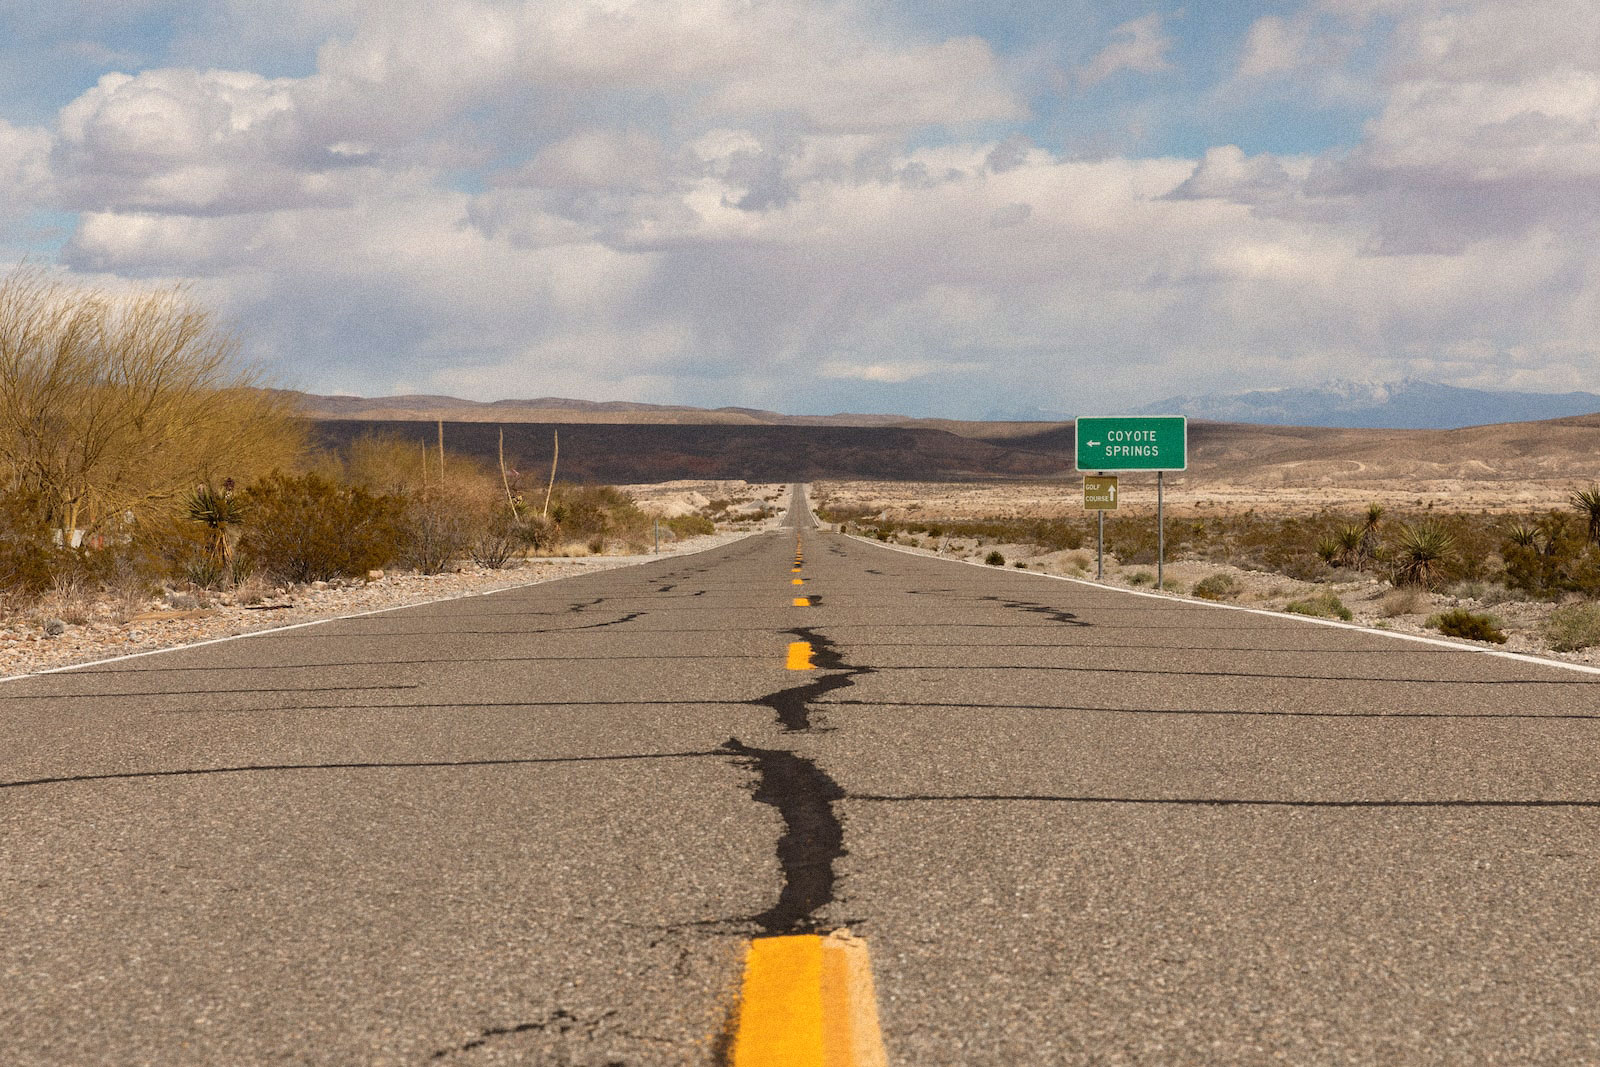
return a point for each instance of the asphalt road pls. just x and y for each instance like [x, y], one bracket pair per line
[1075, 826]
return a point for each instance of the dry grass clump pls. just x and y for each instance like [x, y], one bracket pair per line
[1321, 606]
[69, 600]
[1218, 587]
[1574, 626]
[1471, 625]
[1405, 600]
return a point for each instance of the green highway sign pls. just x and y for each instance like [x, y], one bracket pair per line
[1100, 492]
[1133, 443]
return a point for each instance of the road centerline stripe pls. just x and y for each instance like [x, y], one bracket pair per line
[808, 1001]
[799, 656]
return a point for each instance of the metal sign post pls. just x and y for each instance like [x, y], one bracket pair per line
[1161, 534]
[1100, 551]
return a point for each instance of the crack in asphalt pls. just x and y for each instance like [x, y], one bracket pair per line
[213, 692]
[560, 1021]
[793, 705]
[1240, 802]
[803, 793]
[1053, 614]
[264, 768]
[629, 617]
[813, 836]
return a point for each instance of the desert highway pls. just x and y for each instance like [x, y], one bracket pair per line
[622, 818]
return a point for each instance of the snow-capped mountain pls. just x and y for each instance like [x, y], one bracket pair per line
[1407, 404]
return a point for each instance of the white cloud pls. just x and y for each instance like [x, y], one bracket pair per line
[24, 167]
[1140, 45]
[892, 373]
[599, 159]
[1226, 172]
[198, 142]
[1272, 46]
[955, 83]
[1491, 130]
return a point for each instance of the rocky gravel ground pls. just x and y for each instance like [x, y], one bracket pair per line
[70, 629]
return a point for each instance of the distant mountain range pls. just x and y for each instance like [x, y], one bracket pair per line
[1404, 405]
[625, 442]
[565, 411]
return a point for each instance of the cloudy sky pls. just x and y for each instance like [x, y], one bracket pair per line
[943, 207]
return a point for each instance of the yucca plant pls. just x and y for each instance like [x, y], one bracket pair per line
[1369, 531]
[1523, 536]
[1352, 546]
[217, 510]
[1586, 502]
[1422, 552]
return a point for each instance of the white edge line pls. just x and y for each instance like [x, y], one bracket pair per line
[1520, 657]
[361, 614]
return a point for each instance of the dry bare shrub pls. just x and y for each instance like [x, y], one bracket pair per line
[439, 525]
[499, 540]
[28, 559]
[387, 463]
[251, 589]
[306, 528]
[1405, 600]
[69, 599]
[128, 584]
[113, 406]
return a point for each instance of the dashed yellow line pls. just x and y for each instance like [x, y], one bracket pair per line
[800, 656]
[797, 581]
[808, 1001]
[802, 602]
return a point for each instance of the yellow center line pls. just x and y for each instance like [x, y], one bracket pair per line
[797, 581]
[808, 1001]
[800, 656]
[802, 602]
